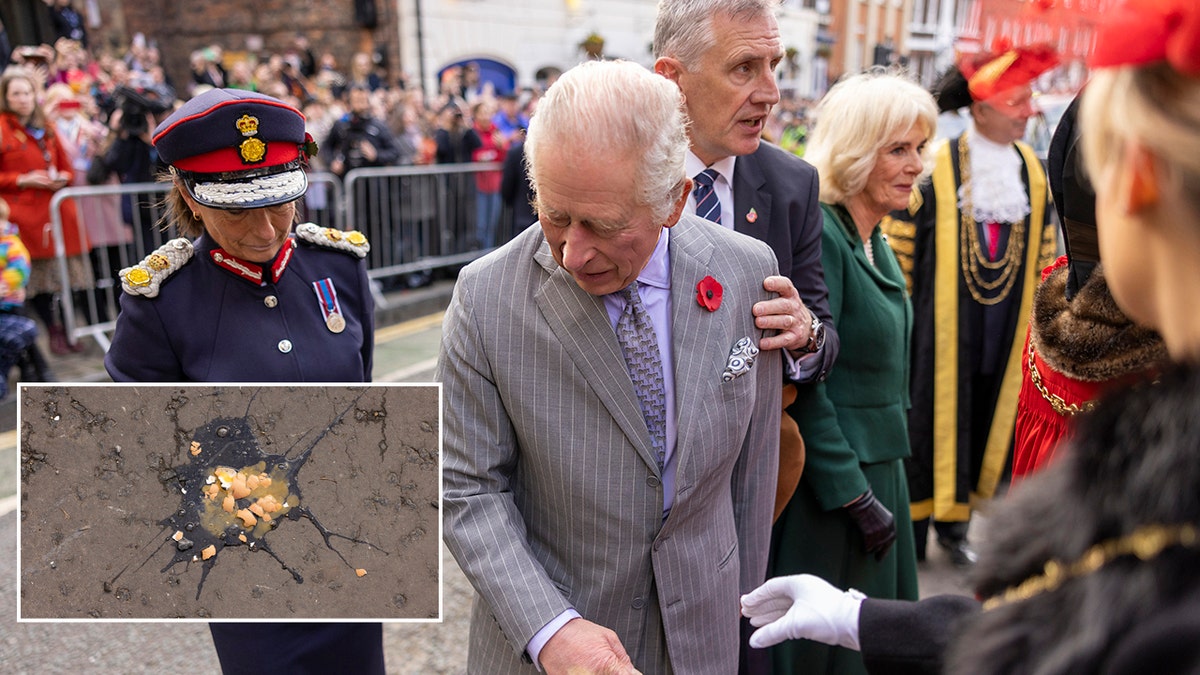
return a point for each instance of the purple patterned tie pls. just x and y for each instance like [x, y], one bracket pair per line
[707, 204]
[635, 333]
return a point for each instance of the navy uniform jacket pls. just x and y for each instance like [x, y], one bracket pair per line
[208, 324]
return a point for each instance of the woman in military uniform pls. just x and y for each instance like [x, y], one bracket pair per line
[246, 300]
[243, 298]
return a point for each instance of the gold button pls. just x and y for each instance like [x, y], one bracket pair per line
[270, 301]
[285, 346]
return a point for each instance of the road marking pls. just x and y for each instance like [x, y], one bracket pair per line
[409, 327]
[408, 371]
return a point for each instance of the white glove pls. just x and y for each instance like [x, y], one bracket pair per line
[802, 606]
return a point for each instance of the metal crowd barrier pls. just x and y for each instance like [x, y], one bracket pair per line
[419, 219]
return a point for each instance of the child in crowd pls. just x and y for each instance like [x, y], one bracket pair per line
[17, 331]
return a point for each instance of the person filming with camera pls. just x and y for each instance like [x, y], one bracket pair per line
[130, 153]
[360, 139]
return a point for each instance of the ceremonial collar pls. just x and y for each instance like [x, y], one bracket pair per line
[997, 193]
[254, 272]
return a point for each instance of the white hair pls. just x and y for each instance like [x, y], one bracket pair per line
[602, 109]
[683, 28]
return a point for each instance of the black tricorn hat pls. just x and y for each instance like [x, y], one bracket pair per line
[1074, 199]
[950, 91]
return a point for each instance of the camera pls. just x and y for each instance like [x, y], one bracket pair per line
[137, 102]
[33, 56]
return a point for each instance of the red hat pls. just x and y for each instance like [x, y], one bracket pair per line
[236, 149]
[1006, 67]
[1137, 32]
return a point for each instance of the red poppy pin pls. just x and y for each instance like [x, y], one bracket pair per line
[708, 293]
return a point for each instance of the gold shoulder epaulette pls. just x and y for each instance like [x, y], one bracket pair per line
[352, 241]
[146, 277]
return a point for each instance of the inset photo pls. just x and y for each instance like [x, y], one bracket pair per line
[214, 502]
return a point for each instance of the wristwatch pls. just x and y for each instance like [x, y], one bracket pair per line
[816, 335]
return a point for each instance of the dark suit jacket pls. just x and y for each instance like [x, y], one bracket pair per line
[775, 201]
[899, 637]
[208, 325]
[515, 188]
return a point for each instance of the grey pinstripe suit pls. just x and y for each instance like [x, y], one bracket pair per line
[552, 495]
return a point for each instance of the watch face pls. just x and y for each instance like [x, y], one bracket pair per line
[817, 337]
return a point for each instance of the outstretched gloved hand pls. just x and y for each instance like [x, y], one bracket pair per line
[877, 524]
[802, 606]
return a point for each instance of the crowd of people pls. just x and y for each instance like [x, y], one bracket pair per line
[76, 116]
[711, 363]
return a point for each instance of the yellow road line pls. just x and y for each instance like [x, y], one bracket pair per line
[409, 327]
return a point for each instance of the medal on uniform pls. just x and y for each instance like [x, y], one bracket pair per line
[327, 300]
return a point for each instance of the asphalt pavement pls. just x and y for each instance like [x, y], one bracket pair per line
[406, 351]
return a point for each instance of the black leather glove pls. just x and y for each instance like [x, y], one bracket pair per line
[876, 523]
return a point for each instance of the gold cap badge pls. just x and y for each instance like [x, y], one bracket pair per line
[252, 150]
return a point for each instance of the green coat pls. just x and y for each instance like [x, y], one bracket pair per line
[855, 433]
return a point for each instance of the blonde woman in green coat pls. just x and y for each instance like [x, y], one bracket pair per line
[848, 521]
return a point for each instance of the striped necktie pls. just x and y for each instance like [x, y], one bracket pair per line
[639, 346]
[707, 204]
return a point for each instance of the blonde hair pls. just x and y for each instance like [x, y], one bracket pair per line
[1157, 106]
[858, 117]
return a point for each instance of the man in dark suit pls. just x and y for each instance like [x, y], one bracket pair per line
[723, 59]
[723, 54]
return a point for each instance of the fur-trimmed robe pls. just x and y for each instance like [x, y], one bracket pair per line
[1132, 463]
[1079, 348]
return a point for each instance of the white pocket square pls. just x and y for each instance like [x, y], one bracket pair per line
[741, 359]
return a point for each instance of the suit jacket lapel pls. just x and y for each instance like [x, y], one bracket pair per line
[750, 192]
[696, 335]
[580, 322]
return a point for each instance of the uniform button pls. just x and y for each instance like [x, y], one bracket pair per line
[653, 481]
[285, 346]
[270, 301]
[639, 603]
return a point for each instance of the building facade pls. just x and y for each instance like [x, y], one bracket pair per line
[527, 39]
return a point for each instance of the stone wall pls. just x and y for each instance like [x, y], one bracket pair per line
[180, 27]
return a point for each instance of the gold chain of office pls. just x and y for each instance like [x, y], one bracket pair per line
[1058, 403]
[972, 254]
[1145, 543]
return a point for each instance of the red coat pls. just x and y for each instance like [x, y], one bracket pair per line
[1040, 427]
[491, 149]
[1091, 339]
[30, 208]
